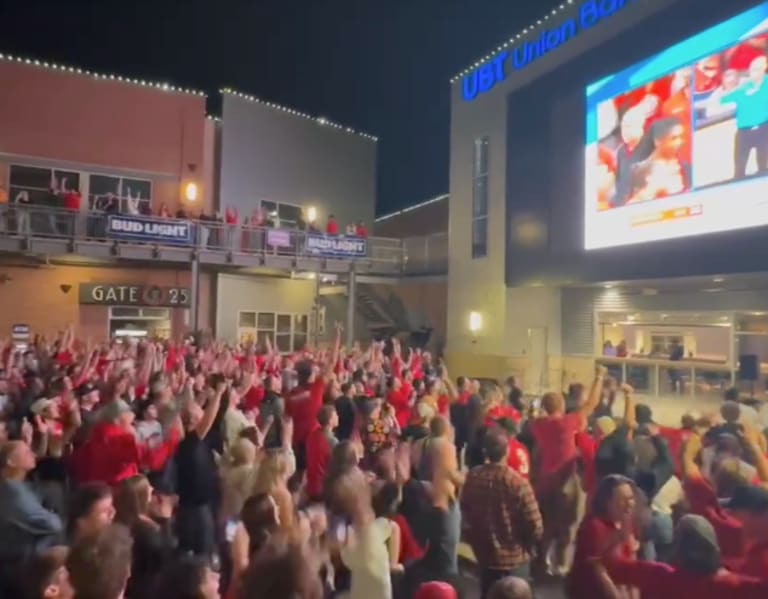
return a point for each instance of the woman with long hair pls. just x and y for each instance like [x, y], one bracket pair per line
[272, 479]
[610, 518]
[148, 517]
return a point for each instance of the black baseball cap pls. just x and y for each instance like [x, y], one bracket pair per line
[749, 498]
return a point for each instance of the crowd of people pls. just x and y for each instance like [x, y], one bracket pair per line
[16, 211]
[200, 469]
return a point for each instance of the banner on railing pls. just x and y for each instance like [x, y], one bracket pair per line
[141, 228]
[337, 247]
[278, 238]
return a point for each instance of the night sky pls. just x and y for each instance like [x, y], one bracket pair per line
[382, 66]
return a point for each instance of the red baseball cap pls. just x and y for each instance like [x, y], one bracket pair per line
[436, 590]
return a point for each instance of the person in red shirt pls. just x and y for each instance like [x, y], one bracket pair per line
[304, 401]
[749, 505]
[72, 199]
[557, 486]
[697, 570]
[704, 495]
[320, 444]
[399, 397]
[111, 453]
[361, 231]
[332, 227]
[605, 533]
[385, 505]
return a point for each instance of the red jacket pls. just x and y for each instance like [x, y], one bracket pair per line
[111, 454]
[318, 456]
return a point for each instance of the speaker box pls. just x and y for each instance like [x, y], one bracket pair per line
[749, 368]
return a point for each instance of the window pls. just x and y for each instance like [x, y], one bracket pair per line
[480, 198]
[38, 183]
[282, 214]
[101, 187]
[286, 332]
[661, 343]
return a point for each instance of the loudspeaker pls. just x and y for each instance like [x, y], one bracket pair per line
[749, 368]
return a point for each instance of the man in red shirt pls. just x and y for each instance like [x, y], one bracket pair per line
[304, 401]
[557, 485]
[749, 505]
[320, 444]
[332, 227]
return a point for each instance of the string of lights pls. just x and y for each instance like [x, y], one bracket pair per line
[515, 38]
[111, 77]
[320, 120]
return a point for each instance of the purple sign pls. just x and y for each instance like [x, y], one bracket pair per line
[277, 238]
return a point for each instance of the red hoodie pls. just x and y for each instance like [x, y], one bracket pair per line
[111, 454]
[303, 405]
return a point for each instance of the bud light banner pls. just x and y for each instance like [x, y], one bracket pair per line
[337, 247]
[150, 230]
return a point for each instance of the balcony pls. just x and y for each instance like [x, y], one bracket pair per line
[59, 233]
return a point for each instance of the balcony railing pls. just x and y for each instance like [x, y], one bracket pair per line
[662, 378]
[50, 230]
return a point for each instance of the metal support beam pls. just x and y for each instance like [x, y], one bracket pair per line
[351, 300]
[194, 300]
[316, 308]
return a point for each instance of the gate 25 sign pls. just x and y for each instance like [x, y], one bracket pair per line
[134, 295]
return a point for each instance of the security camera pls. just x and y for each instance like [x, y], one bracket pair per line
[65, 288]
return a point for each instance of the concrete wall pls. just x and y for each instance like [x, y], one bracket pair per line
[236, 293]
[102, 126]
[33, 296]
[269, 154]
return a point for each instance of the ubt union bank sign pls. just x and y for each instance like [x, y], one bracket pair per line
[589, 14]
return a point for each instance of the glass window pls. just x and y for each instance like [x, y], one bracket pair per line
[266, 320]
[269, 207]
[301, 323]
[283, 323]
[30, 177]
[289, 214]
[479, 237]
[120, 312]
[283, 343]
[299, 341]
[481, 157]
[38, 183]
[480, 198]
[99, 187]
[247, 319]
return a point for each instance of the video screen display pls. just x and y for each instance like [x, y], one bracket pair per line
[677, 145]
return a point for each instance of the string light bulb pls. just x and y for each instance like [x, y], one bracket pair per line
[319, 120]
[512, 39]
[164, 86]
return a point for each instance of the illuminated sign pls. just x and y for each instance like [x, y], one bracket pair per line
[133, 295]
[589, 14]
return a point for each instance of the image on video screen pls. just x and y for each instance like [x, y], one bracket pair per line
[677, 145]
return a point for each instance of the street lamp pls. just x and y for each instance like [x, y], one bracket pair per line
[190, 191]
[475, 322]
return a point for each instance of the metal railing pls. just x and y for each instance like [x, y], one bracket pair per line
[692, 378]
[427, 254]
[409, 256]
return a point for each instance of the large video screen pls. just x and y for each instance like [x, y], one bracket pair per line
[677, 145]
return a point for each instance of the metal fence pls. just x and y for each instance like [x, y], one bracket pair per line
[413, 255]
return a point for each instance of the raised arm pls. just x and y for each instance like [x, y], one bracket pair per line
[594, 393]
[751, 436]
[691, 449]
[211, 409]
[629, 407]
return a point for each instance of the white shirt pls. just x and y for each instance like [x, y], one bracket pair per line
[367, 558]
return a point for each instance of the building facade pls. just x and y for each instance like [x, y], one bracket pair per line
[142, 164]
[591, 176]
